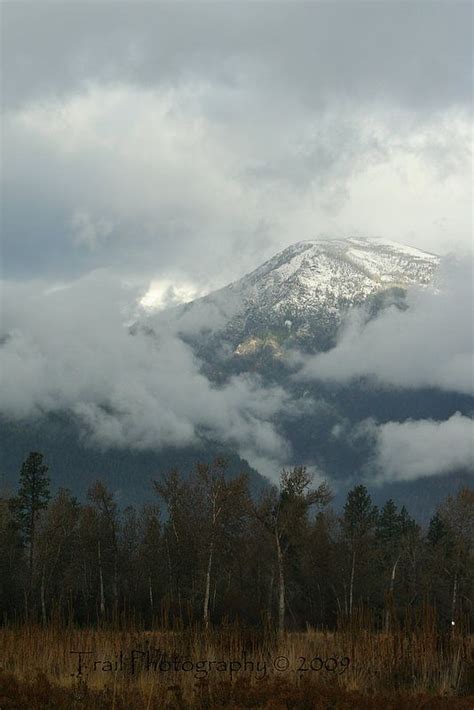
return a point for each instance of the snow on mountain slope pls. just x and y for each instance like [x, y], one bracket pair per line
[303, 292]
[311, 274]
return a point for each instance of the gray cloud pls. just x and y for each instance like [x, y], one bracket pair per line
[414, 53]
[414, 449]
[429, 345]
[67, 349]
[195, 140]
[155, 185]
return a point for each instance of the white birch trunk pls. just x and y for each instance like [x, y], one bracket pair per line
[453, 602]
[390, 594]
[351, 587]
[208, 586]
[101, 581]
[281, 585]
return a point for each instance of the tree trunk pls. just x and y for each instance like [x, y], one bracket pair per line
[27, 612]
[351, 587]
[390, 595]
[43, 602]
[101, 581]
[150, 593]
[208, 586]
[32, 545]
[453, 602]
[115, 584]
[321, 605]
[338, 602]
[281, 585]
[170, 572]
[270, 595]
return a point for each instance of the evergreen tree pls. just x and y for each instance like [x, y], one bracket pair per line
[33, 496]
[358, 523]
[395, 533]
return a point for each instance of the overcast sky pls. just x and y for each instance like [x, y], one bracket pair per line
[189, 141]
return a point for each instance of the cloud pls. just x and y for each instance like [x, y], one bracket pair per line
[411, 53]
[414, 449]
[88, 231]
[67, 349]
[428, 345]
[201, 138]
[154, 182]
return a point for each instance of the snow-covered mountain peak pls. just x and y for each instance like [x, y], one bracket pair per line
[377, 258]
[303, 292]
[335, 272]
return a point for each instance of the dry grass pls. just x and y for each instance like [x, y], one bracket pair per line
[398, 670]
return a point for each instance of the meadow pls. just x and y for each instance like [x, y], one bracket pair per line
[233, 667]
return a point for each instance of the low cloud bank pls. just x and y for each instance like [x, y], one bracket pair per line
[67, 349]
[415, 449]
[428, 345]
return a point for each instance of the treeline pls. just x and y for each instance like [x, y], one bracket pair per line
[204, 551]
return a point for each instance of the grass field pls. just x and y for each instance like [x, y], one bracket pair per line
[230, 667]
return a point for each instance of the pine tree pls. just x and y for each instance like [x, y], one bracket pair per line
[358, 522]
[33, 496]
[395, 533]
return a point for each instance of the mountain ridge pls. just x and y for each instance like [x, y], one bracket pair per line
[299, 297]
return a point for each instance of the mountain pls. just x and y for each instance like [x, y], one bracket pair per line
[297, 299]
[75, 463]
